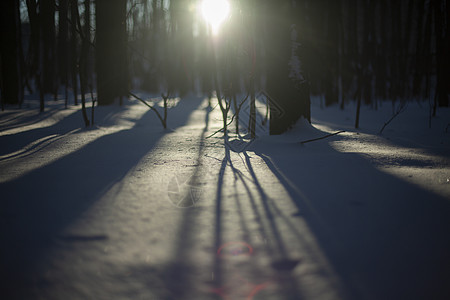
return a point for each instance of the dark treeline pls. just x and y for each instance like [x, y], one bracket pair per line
[378, 48]
[343, 50]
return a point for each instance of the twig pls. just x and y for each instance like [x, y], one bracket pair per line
[322, 137]
[400, 109]
[232, 117]
[165, 100]
[217, 131]
[149, 106]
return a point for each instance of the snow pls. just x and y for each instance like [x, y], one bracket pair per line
[126, 210]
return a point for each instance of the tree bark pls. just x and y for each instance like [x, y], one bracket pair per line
[83, 64]
[63, 45]
[9, 51]
[442, 53]
[289, 95]
[47, 17]
[73, 49]
[331, 55]
[111, 54]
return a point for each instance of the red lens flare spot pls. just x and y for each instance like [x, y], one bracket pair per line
[256, 290]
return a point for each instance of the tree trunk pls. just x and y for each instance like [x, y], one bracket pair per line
[380, 66]
[367, 50]
[62, 45]
[331, 55]
[9, 51]
[251, 25]
[427, 53]
[87, 36]
[83, 65]
[442, 53]
[23, 81]
[111, 54]
[47, 17]
[73, 49]
[418, 55]
[288, 91]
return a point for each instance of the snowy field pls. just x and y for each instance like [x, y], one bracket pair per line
[127, 210]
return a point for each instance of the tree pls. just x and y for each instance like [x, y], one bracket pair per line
[83, 61]
[63, 44]
[9, 45]
[287, 84]
[442, 28]
[74, 49]
[47, 17]
[111, 50]
[330, 50]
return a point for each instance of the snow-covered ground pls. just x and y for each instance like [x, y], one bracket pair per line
[126, 210]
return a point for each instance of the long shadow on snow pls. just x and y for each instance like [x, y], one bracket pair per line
[14, 142]
[385, 238]
[73, 121]
[281, 260]
[176, 280]
[39, 205]
[177, 275]
[24, 117]
[396, 139]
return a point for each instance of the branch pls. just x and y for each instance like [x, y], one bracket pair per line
[323, 137]
[242, 102]
[148, 105]
[216, 132]
[400, 109]
[232, 118]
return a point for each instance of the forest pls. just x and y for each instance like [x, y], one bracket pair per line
[344, 50]
[225, 149]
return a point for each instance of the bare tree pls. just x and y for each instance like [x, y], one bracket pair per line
[111, 50]
[74, 49]
[9, 57]
[287, 87]
[83, 61]
[63, 46]
[48, 54]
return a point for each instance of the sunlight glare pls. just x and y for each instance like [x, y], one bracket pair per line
[215, 12]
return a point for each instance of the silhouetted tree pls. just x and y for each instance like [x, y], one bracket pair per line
[286, 84]
[330, 52]
[83, 61]
[47, 18]
[9, 56]
[74, 49]
[442, 28]
[180, 50]
[63, 57]
[111, 50]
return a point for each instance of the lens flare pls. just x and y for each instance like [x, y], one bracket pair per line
[215, 12]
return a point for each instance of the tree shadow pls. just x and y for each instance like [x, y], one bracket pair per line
[176, 278]
[177, 274]
[385, 238]
[14, 142]
[14, 119]
[282, 264]
[39, 205]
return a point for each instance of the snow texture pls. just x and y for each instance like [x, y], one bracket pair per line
[127, 210]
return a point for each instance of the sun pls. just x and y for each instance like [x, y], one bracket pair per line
[215, 12]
